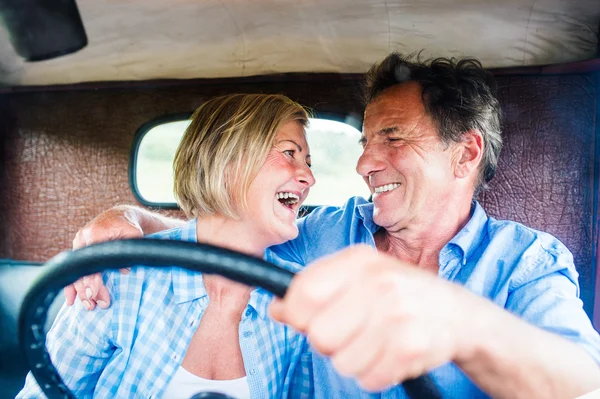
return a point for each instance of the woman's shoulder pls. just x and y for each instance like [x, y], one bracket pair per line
[142, 280]
[136, 283]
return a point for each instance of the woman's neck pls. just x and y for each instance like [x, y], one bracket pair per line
[229, 233]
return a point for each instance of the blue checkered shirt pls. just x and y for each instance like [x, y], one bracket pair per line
[134, 348]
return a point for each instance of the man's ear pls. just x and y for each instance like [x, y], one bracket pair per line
[470, 153]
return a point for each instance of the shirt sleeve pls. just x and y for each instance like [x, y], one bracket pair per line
[79, 347]
[547, 295]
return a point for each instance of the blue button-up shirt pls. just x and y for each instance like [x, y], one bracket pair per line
[133, 349]
[527, 272]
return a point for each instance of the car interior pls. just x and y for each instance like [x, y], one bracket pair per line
[80, 106]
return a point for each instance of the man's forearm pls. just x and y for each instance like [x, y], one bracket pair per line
[150, 222]
[513, 359]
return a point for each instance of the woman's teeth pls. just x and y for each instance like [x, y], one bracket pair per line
[287, 198]
[387, 187]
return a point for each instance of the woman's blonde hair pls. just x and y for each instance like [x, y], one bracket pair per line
[224, 147]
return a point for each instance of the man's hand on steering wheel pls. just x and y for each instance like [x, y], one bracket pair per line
[114, 224]
[380, 320]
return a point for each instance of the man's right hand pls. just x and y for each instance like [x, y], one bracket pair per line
[117, 223]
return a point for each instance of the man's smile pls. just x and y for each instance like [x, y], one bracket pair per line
[386, 187]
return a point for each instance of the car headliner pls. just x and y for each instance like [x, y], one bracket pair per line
[158, 39]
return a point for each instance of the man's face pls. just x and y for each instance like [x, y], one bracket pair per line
[408, 168]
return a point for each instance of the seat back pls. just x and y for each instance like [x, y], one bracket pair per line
[15, 280]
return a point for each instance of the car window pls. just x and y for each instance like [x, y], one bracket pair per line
[334, 152]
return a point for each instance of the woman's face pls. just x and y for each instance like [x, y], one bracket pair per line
[281, 186]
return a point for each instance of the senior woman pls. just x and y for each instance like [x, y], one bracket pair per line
[242, 170]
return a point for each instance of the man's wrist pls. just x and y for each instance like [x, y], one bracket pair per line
[151, 222]
[478, 319]
[133, 215]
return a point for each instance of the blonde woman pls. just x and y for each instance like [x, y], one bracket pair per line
[242, 171]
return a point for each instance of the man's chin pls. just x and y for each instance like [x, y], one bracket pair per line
[383, 219]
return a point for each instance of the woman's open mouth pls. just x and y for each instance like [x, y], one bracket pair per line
[288, 199]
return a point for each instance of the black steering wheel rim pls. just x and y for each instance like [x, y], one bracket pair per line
[67, 267]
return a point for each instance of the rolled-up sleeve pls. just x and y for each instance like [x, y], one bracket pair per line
[546, 294]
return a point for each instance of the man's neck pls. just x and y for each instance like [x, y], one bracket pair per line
[421, 243]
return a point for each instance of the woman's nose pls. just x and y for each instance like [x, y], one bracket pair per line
[306, 176]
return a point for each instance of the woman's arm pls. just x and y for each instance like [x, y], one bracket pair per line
[117, 223]
[79, 348]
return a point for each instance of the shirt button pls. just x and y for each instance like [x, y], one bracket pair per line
[247, 334]
[192, 323]
[252, 371]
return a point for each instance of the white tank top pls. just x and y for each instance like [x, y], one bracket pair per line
[184, 385]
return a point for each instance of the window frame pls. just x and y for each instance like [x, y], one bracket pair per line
[141, 132]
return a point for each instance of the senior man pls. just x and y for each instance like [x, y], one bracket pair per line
[488, 307]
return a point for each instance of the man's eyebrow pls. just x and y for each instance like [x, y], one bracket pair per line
[388, 130]
[293, 142]
[381, 132]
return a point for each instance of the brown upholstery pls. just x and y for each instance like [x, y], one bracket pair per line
[66, 151]
[545, 176]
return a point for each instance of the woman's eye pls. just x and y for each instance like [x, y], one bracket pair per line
[289, 152]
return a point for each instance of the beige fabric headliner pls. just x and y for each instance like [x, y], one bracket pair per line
[154, 39]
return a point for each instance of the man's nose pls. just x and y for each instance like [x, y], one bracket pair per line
[370, 161]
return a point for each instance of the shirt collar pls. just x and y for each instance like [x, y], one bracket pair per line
[365, 212]
[470, 236]
[189, 286]
[466, 240]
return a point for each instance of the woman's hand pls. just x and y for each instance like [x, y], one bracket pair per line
[114, 224]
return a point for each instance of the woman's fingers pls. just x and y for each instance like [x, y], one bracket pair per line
[70, 294]
[87, 288]
[103, 298]
[90, 290]
[113, 224]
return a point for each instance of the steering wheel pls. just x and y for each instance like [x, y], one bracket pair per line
[67, 267]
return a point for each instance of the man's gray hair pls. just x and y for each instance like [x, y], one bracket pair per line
[458, 94]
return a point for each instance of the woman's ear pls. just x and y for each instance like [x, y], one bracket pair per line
[469, 155]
